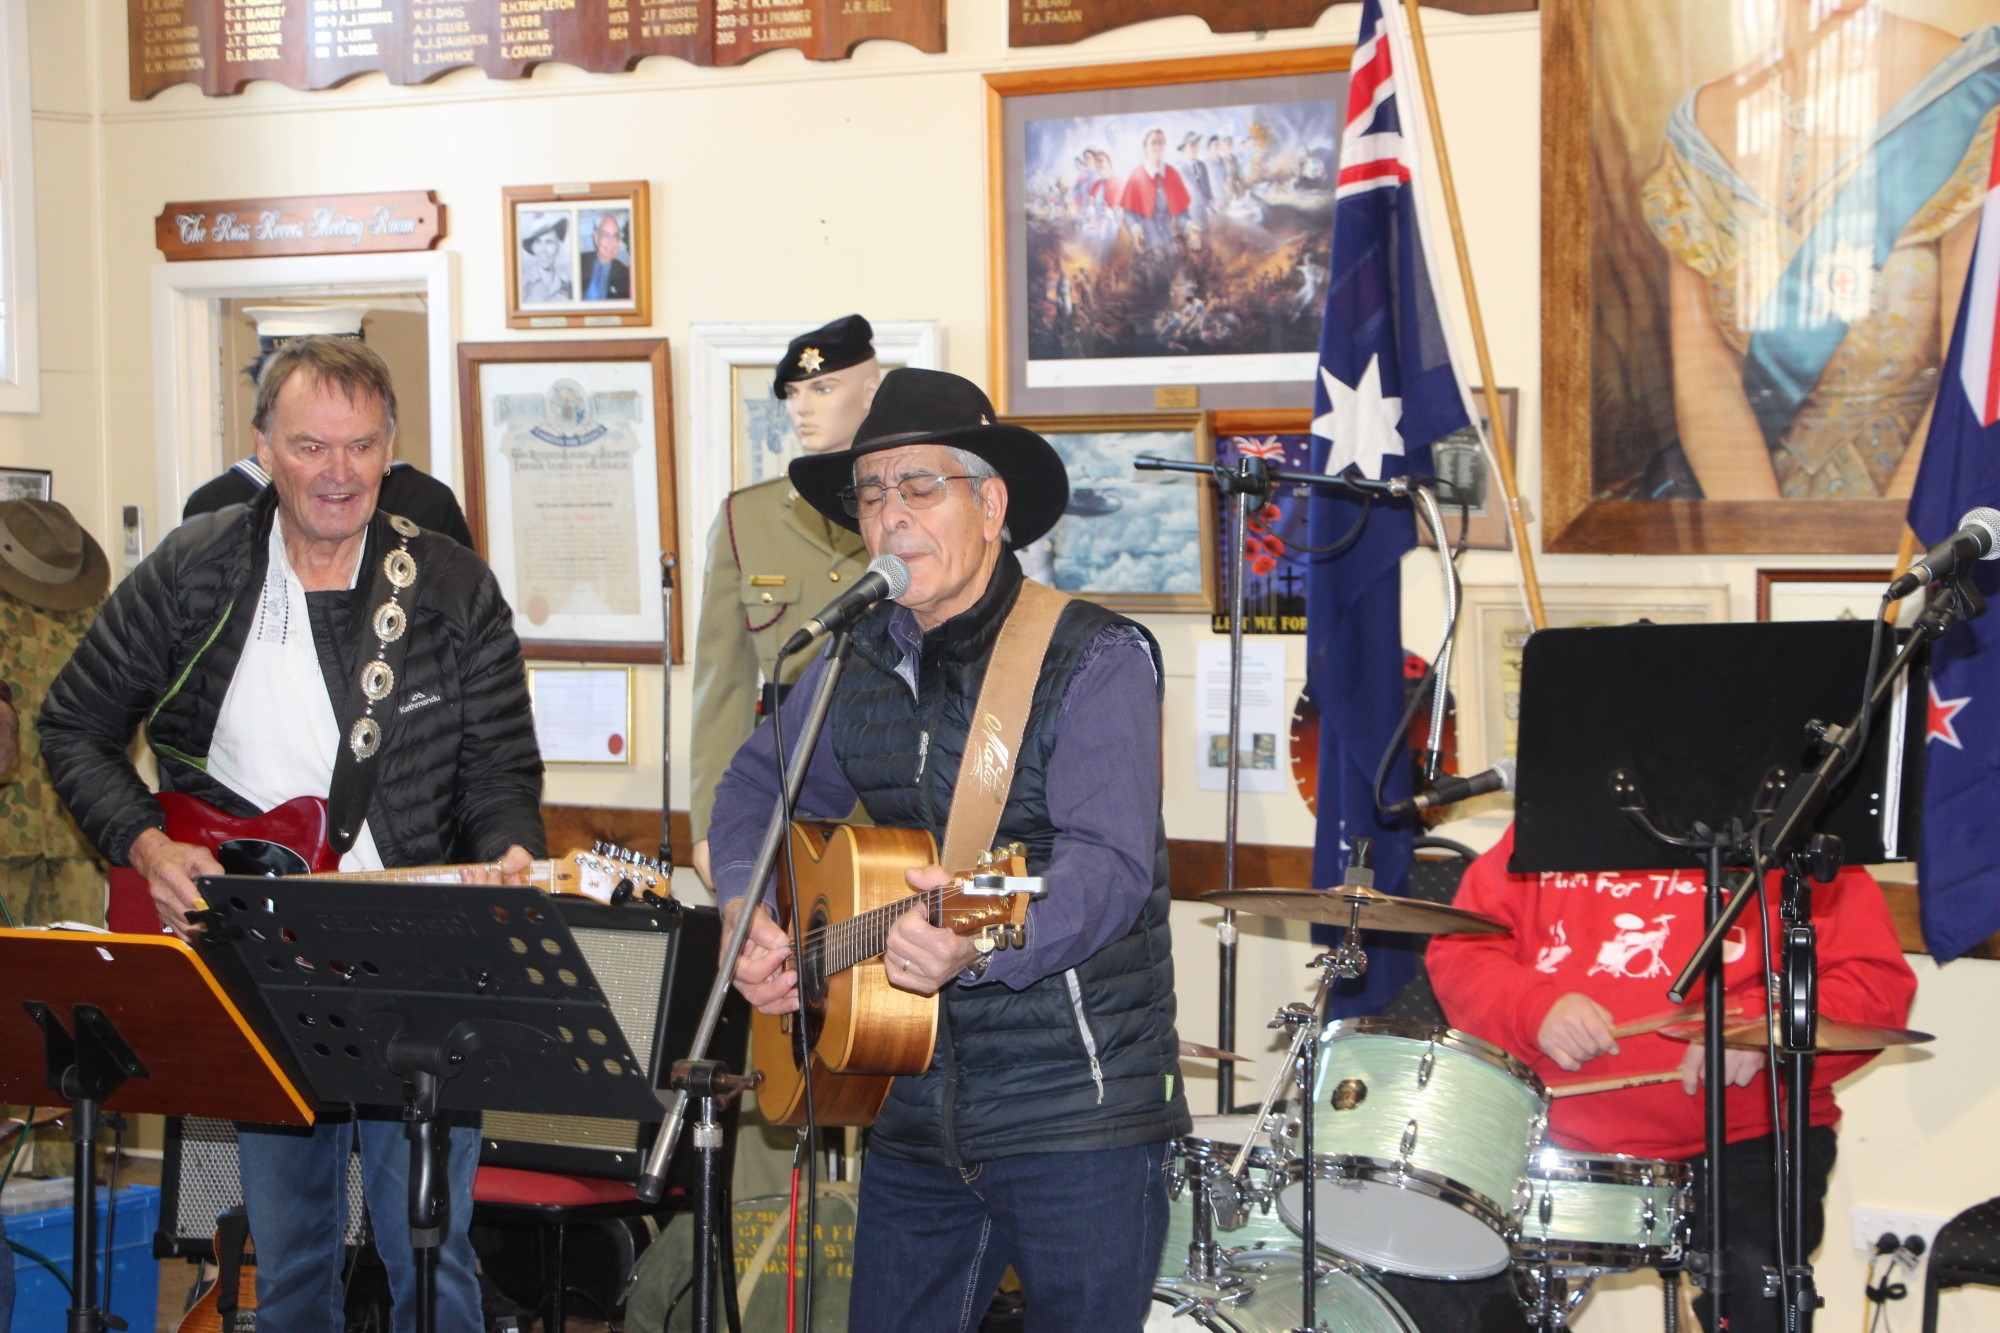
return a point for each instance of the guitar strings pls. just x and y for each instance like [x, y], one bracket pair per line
[842, 944]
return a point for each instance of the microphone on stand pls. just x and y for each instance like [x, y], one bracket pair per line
[1450, 790]
[887, 579]
[1977, 538]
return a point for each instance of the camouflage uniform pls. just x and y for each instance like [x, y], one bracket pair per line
[48, 869]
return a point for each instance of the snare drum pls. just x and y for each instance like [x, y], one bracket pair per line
[1603, 1211]
[1421, 1139]
[1196, 1163]
[1258, 1292]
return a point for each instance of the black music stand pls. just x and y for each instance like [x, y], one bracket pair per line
[1659, 747]
[428, 997]
[99, 1022]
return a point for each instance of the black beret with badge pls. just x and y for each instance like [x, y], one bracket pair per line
[847, 341]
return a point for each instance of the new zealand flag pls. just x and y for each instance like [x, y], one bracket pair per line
[1958, 865]
[1386, 390]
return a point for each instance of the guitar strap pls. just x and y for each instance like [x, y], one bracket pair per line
[382, 665]
[993, 742]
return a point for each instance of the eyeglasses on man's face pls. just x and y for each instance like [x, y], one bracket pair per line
[919, 490]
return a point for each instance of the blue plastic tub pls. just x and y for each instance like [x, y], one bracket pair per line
[40, 1303]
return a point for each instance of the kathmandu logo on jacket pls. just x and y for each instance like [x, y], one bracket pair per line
[419, 700]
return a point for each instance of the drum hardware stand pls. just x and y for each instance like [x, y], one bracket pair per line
[1250, 484]
[1812, 856]
[1549, 1298]
[667, 563]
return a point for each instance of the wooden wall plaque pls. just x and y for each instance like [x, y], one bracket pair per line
[222, 45]
[1056, 22]
[309, 224]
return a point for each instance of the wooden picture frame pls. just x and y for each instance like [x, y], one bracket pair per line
[1827, 594]
[578, 552]
[552, 259]
[1130, 540]
[1612, 412]
[1052, 354]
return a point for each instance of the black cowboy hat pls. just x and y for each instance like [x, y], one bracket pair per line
[934, 407]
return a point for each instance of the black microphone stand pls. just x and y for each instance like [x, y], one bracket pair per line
[1250, 484]
[1817, 857]
[698, 1075]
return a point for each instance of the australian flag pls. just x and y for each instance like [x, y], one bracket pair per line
[1386, 390]
[1958, 865]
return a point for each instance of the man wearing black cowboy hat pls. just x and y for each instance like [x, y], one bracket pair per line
[1036, 1136]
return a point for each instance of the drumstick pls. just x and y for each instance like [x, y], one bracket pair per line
[1691, 1013]
[1614, 1084]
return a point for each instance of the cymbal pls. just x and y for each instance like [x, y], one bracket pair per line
[1195, 1050]
[1830, 1036]
[1379, 911]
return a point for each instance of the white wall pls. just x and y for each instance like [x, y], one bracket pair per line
[788, 190]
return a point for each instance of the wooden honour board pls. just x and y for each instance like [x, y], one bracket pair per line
[221, 45]
[1058, 22]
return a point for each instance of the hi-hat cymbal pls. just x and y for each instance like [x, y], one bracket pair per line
[1379, 911]
[1830, 1036]
[1196, 1050]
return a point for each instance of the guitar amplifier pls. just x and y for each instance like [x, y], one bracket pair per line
[650, 962]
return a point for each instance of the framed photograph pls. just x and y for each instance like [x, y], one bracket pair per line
[583, 714]
[579, 255]
[1130, 540]
[1495, 625]
[1274, 573]
[1828, 594]
[26, 483]
[1161, 223]
[1461, 461]
[569, 490]
[1750, 264]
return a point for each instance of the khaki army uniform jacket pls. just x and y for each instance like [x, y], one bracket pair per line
[773, 560]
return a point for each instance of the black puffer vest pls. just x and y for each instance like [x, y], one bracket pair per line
[1085, 1059]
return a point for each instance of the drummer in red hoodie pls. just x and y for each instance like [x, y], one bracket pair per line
[1589, 951]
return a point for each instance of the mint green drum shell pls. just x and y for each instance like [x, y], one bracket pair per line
[1421, 1146]
[1265, 1299]
[1603, 1211]
[1209, 1148]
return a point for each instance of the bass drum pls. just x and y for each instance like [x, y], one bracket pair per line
[1259, 1293]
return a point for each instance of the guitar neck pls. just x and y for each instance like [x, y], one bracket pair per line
[541, 874]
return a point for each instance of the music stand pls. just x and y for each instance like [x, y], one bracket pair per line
[126, 1023]
[427, 997]
[1647, 747]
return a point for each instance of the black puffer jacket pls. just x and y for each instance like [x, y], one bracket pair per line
[460, 776]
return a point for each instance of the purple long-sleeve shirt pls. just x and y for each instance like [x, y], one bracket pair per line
[1103, 791]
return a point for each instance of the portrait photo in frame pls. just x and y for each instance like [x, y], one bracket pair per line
[1751, 263]
[1131, 540]
[26, 483]
[570, 492]
[1161, 223]
[579, 256]
[1495, 626]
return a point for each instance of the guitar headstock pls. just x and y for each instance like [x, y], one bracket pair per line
[990, 901]
[606, 868]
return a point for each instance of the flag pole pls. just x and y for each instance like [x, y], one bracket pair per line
[1502, 446]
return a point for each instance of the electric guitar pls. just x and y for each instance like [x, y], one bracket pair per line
[290, 839]
[230, 1303]
[862, 1031]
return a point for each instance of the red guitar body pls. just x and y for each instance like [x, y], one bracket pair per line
[299, 827]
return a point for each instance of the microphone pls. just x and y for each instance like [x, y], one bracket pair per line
[1977, 538]
[887, 579]
[1450, 790]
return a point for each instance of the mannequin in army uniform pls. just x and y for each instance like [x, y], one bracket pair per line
[774, 560]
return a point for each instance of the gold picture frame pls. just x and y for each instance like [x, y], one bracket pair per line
[553, 265]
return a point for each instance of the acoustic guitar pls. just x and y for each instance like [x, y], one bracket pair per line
[290, 839]
[230, 1303]
[862, 1031]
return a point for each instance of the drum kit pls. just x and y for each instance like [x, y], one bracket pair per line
[1421, 1152]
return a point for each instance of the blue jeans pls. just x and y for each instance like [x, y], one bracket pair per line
[295, 1188]
[1082, 1229]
